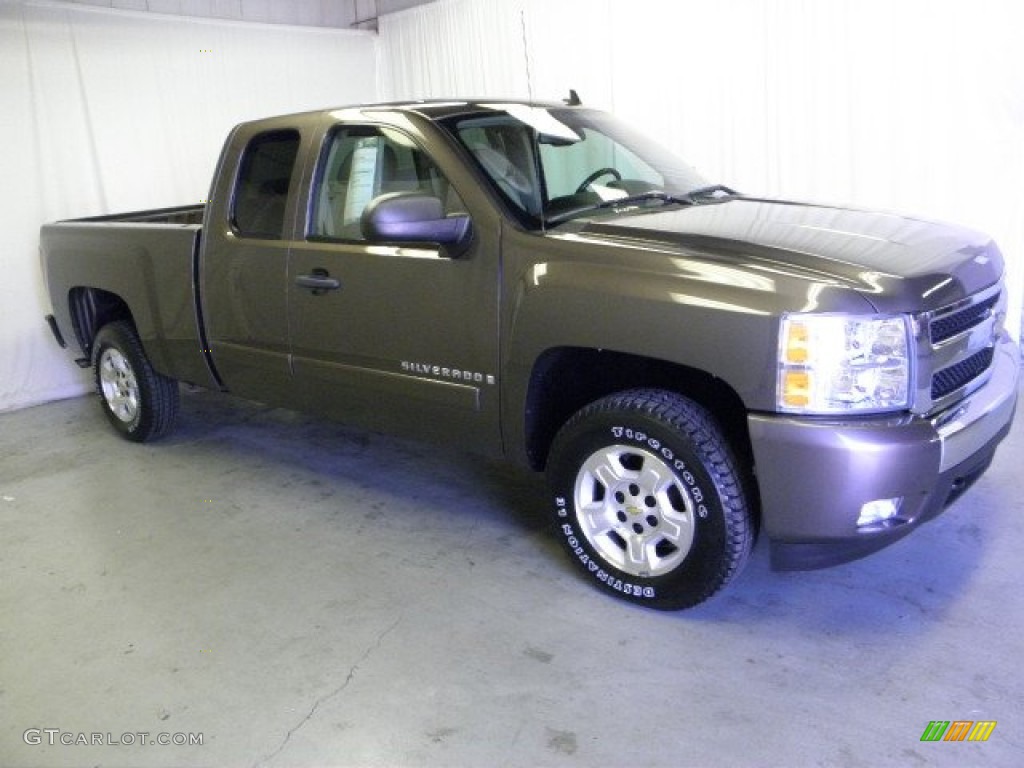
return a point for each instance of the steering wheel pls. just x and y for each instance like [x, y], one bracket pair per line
[597, 175]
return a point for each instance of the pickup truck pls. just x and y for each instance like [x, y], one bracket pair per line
[688, 365]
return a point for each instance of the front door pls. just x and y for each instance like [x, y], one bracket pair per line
[397, 337]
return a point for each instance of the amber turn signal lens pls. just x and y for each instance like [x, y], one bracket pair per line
[796, 391]
[796, 343]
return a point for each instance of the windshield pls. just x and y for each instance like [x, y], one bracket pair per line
[554, 164]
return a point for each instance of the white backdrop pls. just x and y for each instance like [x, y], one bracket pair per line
[915, 105]
[908, 105]
[107, 111]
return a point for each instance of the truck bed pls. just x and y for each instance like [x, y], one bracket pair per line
[148, 261]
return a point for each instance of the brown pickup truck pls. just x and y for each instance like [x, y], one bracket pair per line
[688, 365]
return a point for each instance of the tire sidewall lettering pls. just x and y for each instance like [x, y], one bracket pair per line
[592, 566]
[657, 447]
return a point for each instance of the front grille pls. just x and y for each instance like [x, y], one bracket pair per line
[954, 377]
[957, 348]
[948, 326]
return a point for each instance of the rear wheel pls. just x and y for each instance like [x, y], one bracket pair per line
[649, 498]
[138, 401]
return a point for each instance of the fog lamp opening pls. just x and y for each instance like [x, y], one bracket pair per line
[879, 511]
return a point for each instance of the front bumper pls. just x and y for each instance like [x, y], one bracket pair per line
[815, 476]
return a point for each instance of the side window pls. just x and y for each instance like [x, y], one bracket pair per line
[504, 148]
[361, 163]
[261, 190]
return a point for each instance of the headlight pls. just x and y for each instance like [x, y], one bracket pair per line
[833, 364]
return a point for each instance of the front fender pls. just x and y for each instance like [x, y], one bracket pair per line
[711, 315]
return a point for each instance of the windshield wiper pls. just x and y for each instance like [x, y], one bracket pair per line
[714, 191]
[620, 202]
[642, 197]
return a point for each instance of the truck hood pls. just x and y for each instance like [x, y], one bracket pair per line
[897, 263]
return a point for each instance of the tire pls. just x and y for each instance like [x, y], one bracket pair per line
[649, 499]
[138, 401]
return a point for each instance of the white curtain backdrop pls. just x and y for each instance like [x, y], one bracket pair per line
[915, 106]
[107, 111]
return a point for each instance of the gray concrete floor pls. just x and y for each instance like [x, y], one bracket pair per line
[302, 594]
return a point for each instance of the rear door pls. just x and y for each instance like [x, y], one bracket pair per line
[245, 263]
[394, 336]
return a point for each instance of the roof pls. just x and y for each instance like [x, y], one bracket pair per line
[431, 109]
[437, 109]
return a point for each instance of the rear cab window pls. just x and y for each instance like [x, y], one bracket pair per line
[261, 189]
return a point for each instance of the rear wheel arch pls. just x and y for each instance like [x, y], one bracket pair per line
[90, 310]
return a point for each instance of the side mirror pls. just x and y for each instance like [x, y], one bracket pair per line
[412, 217]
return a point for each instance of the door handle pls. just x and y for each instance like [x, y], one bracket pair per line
[319, 281]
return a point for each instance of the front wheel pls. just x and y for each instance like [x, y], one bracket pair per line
[650, 500]
[138, 401]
